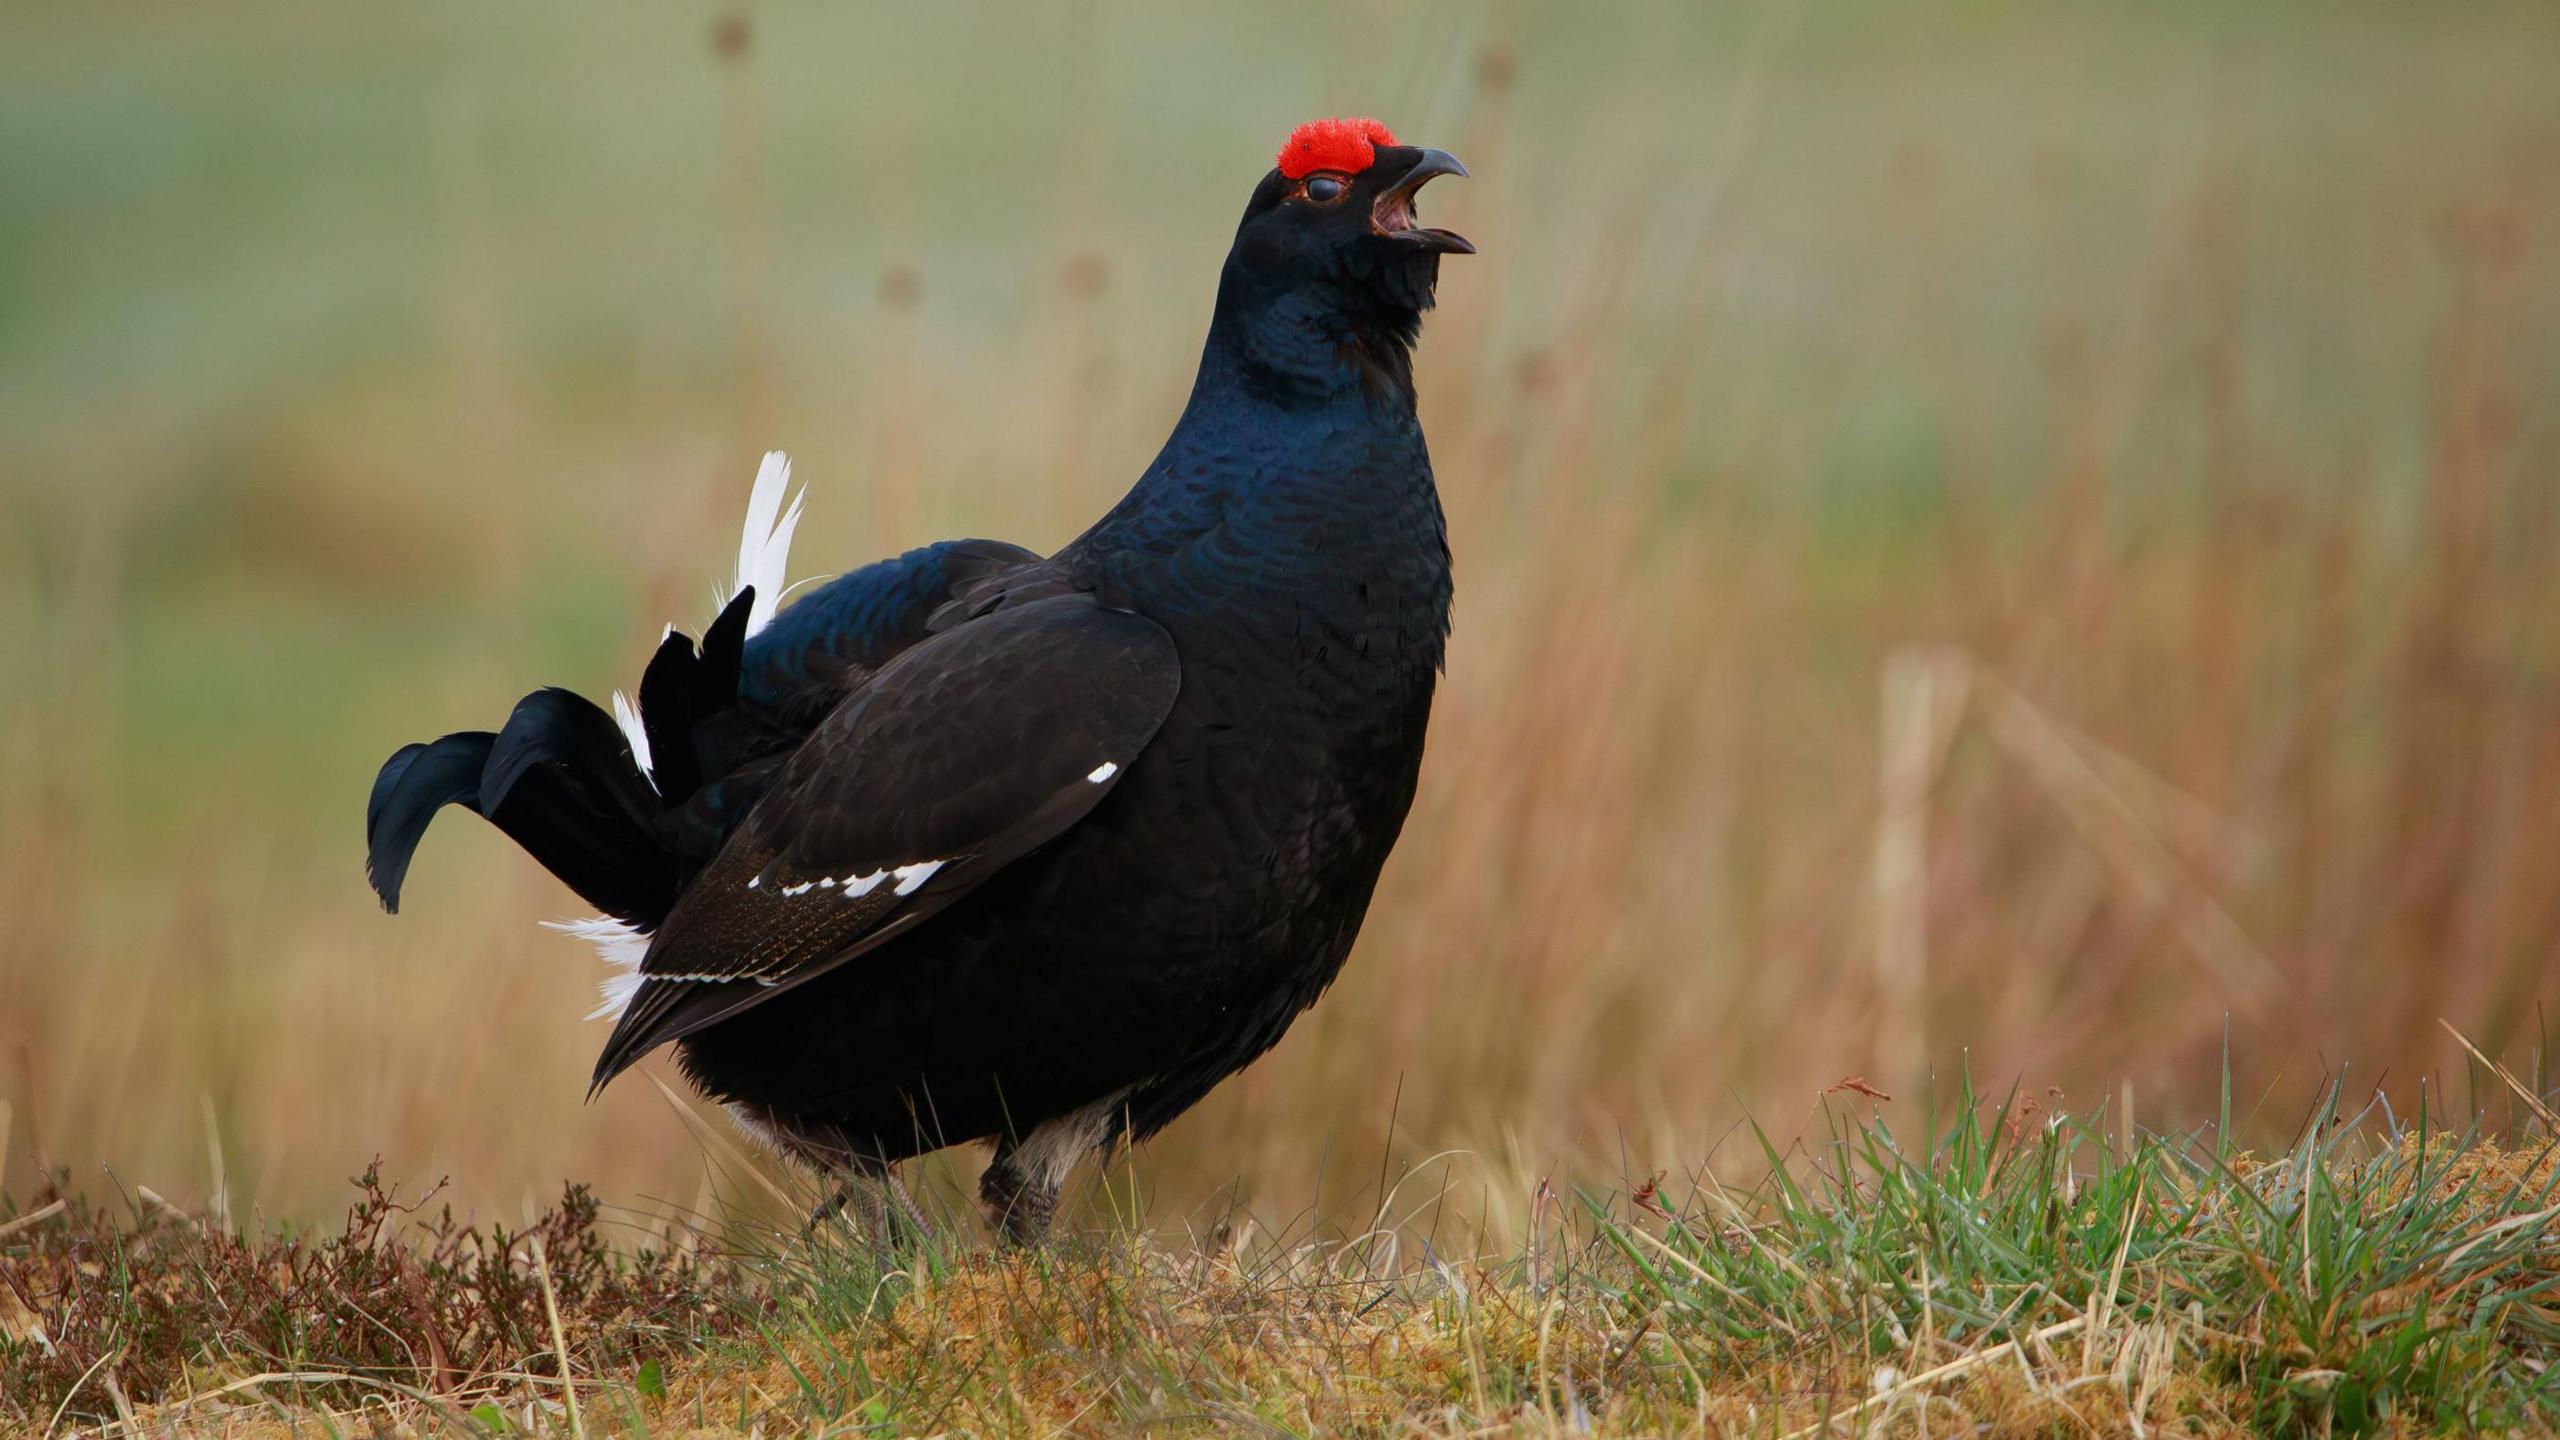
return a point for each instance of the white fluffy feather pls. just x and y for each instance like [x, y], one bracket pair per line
[622, 948]
[764, 544]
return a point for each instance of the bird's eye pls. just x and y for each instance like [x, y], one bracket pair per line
[1325, 189]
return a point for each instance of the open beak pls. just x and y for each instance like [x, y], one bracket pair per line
[1392, 216]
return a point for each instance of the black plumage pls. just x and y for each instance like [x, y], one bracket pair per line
[975, 844]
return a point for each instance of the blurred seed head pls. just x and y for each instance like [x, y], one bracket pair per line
[1084, 275]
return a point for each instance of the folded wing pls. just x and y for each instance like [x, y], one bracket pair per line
[962, 755]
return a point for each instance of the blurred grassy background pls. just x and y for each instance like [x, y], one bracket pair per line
[1991, 535]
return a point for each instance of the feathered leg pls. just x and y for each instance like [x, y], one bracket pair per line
[1021, 1185]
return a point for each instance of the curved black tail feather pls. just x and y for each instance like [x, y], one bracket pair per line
[560, 780]
[689, 703]
[414, 784]
[562, 783]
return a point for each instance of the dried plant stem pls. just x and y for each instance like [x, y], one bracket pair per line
[2522, 1092]
[1917, 685]
[32, 1218]
[559, 1337]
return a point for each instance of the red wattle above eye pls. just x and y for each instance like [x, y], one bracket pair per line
[1344, 144]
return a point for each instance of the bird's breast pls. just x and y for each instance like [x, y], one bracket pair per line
[1309, 608]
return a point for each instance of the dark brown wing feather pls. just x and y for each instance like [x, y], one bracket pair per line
[965, 753]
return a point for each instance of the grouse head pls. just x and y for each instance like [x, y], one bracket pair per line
[1331, 233]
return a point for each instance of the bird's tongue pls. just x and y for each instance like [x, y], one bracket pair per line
[1395, 217]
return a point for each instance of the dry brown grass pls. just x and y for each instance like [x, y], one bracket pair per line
[107, 1311]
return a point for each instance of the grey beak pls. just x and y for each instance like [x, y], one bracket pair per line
[1432, 163]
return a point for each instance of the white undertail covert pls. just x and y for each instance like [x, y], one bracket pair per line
[764, 561]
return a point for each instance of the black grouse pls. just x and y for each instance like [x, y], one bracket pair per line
[973, 844]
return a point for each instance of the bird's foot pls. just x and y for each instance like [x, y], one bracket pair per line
[1018, 1207]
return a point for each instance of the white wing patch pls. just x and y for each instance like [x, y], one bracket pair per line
[1102, 772]
[622, 948]
[855, 887]
[764, 544]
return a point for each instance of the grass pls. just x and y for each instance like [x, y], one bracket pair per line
[2019, 1272]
